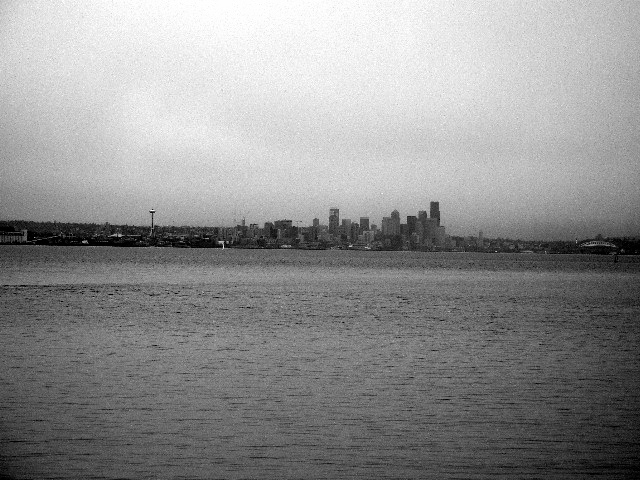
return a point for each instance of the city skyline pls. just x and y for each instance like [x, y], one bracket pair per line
[522, 119]
[142, 218]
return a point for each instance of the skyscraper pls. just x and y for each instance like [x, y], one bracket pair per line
[395, 222]
[364, 224]
[412, 220]
[346, 227]
[435, 211]
[422, 220]
[430, 229]
[386, 226]
[334, 220]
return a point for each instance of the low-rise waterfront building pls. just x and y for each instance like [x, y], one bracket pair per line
[12, 236]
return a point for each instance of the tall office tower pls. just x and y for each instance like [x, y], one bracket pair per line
[386, 226]
[420, 231]
[355, 231]
[435, 211]
[422, 220]
[346, 227]
[412, 220]
[364, 224]
[268, 229]
[441, 237]
[430, 231]
[334, 220]
[316, 222]
[395, 222]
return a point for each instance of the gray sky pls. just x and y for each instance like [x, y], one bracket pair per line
[521, 118]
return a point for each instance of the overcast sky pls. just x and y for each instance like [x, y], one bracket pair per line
[521, 118]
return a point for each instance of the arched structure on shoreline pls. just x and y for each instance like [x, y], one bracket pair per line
[597, 246]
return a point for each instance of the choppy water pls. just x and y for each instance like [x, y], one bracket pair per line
[173, 363]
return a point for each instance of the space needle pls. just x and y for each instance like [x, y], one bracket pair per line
[152, 211]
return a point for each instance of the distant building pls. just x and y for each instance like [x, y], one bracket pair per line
[419, 232]
[395, 222]
[345, 228]
[284, 228]
[316, 222]
[422, 216]
[364, 224]
[9, 235]
[269, 230]
[355, 231]
[412, 220]
[430, 229]
[368, 236]
[441, 236]
[435, 211]
[283, 223]
[386, 226]
[334, 221]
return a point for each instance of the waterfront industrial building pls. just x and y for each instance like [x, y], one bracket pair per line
[11, 236]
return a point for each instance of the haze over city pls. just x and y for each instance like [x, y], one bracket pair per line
[521, 119]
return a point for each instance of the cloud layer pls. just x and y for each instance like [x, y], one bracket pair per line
[521, 119]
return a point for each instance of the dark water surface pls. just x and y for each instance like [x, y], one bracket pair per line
[177, 363]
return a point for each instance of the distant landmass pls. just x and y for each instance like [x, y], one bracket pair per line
[241, 236]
